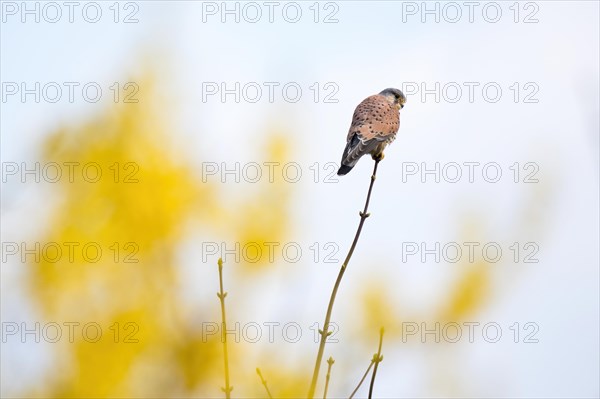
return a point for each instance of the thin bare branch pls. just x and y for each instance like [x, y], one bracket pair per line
[222, 296]
[363, 378]
[325, 332]
[377, 359]
[330, 362]
[264, 382]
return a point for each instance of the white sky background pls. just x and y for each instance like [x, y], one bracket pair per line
[369, 49]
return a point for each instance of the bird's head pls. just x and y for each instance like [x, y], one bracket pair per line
[395, 97]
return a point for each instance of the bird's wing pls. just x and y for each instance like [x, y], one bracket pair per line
[374, 121]
[356, 148]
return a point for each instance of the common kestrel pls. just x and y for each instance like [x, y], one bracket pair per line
[374, 125]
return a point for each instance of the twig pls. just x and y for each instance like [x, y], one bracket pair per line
[222, 296]
[377, 359]
[325, 332]
[264, 382]
[363, 377]
[330, 362]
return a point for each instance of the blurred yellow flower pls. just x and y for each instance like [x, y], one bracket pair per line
[118, 222]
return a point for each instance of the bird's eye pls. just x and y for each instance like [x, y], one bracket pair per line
[401, 106]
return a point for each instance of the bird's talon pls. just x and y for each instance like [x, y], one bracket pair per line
[379, 157]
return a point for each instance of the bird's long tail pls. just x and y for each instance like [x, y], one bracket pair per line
[344, 169]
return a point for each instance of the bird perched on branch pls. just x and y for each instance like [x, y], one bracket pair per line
[374, 125]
